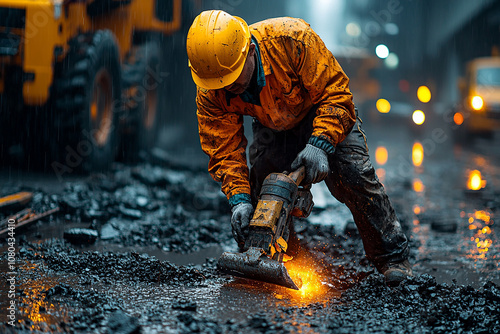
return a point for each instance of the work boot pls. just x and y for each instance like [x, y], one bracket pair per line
[395, 273]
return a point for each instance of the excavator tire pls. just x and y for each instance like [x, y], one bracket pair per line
[87, 103]
[144, 79]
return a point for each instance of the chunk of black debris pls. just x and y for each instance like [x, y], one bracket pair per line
[151, 176]
[186, 318]
[185, 305]
[70, 203]
[131, 213]
[60, 289]
[108, 231]
[108, 184]
[121, 323]
[81, 236]
[94, 214]
[142, 201]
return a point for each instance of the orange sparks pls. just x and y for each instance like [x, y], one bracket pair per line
[304, 268]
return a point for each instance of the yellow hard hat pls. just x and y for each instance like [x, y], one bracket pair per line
[217, 47]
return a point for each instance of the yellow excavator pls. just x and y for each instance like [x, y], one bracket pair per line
[76, 76]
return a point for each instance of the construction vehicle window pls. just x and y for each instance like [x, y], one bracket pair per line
[12, 17]
[488, 76]
[164, 10]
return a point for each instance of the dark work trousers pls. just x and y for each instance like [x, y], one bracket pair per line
[351, 180]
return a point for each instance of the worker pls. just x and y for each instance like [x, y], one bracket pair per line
[280, 72]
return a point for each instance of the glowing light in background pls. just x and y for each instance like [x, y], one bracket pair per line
[383, 106]
[417, 154]
[417, 209]
[418, 186]
[391, 29]
[477, 103]
[480, 161]
[353, 29]
[458, 118]
[381, 155]
[475, 181]
[326, 17]
[382, 51]
[418, 117]
[392, 61]
[424, 94]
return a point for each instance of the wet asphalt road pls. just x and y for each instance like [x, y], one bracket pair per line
[152, 268]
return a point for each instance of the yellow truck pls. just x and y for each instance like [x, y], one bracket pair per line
[76, 76]
[479, 110]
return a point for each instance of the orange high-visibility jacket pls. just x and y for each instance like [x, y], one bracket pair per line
[300, 72]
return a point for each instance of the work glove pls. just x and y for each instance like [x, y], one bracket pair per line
[240, 221]
[315, 161]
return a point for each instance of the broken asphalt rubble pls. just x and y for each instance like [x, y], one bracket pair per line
[184, 211]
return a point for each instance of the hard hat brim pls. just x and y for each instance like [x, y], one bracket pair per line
[218, 82]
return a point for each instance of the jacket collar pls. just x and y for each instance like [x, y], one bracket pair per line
[251, 95]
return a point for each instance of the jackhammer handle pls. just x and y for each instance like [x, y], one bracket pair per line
[298, 175]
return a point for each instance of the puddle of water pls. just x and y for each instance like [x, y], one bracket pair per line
[238, 299]
[469, 256]
[33, 306]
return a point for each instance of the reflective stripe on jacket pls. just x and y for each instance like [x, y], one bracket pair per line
[300, 72]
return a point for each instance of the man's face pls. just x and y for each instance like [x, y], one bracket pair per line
[243, 81]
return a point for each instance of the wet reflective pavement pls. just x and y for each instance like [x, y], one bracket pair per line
[161, 231]
[452, 215]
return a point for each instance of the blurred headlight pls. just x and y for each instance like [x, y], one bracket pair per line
[477, 103]
[424, 94]
[418, 117]
[383, 106]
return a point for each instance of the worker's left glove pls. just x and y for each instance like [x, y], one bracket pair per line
[240, 221]
[315, 161]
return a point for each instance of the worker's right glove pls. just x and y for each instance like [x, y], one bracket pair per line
[240, 221]
[315, 161]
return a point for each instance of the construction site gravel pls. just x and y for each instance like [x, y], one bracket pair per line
[135, 250]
